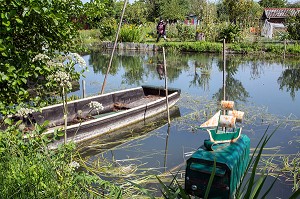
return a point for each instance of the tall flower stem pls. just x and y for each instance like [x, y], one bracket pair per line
[65, 113]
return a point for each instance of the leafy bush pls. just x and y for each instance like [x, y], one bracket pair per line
[185, 32]
[130, 33]
[107, 27]
[231, 33]
[171, 31]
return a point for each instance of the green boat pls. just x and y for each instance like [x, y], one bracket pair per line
[231, 162]
[222, 127]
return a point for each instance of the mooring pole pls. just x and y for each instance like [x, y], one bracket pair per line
[166, 86]
[166, 149]
[113, 50]
[284, 49]
[83, 89]
[224, 70]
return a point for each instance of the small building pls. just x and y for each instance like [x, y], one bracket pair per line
[273, 20]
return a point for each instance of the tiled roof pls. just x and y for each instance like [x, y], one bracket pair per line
[281, 12]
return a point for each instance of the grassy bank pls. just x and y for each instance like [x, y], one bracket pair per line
[90, 38]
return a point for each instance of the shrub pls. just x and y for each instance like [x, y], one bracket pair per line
[185, 32]
[231, 33]
[130, 33]
[107, 27]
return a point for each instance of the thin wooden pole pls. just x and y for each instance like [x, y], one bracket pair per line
[166, 86]
[284, 49]
[166, 149]
[113, 50]
[83, 89]
[224, 70]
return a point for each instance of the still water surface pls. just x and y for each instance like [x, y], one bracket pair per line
[267, 90]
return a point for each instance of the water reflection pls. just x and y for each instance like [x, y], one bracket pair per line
[235, 90]
[290, 80]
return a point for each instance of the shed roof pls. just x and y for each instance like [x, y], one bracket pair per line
[280, 12]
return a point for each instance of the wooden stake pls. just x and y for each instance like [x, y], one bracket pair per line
[83, 89]
[166, 86]
[224, 69]
[113, 50]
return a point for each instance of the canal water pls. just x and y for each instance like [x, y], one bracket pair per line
[267, 90]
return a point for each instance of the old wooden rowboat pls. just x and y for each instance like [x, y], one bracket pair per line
[120, 109]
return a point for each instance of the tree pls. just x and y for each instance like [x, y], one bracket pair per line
[173, 9]
[137, 13]
[28, 28]
[96, 11]
[243, 12]
[273, 3]
[198, 8]
[293, 27]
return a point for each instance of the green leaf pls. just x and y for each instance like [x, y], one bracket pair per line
[37, 10]
[8, 121]
[211, 178]
[19, 21]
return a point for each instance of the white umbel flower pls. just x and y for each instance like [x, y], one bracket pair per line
[79, 59]
[23, 112]
[96, 105]
[62, 78]
[40, 57]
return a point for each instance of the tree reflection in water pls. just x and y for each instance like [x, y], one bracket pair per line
[290, 79]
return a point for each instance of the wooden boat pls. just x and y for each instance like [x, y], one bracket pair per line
[120, 109]
[222, 127]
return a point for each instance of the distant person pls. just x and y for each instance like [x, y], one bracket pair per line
[161, 30]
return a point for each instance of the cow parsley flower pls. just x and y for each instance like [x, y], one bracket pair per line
[79, 59]
[40, 57]
[96, 105]
[23, 112]
[62, 78]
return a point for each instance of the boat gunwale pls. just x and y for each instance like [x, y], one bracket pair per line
[78, 125]
[91, 97]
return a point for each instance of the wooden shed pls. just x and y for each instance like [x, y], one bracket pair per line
[273, 20]
[278, 15]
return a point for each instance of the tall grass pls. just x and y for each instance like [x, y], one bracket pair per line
[30, 170]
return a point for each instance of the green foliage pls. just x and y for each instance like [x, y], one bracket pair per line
[94, 12]
[130, 33]
[293, 24]
[171, 31]
[30, 170]
[107, 27]
[28, 28]
[272, 3]
[173, 9]
[185, 32]
[231, 33]
[136, 13]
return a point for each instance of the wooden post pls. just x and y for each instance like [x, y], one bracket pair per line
[284, 49]
[166, 86]
[83, 89]
[166, 149]
[113, 50]
[224, 70]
